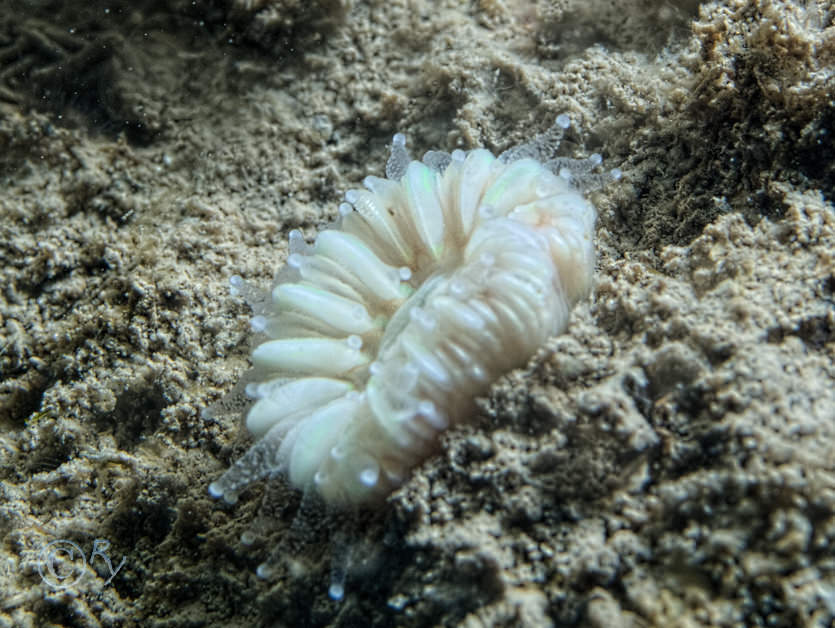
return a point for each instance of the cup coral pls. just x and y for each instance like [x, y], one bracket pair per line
[436, 280]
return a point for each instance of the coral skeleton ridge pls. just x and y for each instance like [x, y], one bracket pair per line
[435, 281]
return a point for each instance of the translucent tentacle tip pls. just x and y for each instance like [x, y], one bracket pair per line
[264, 571]
[336, 592]
[236, 284]
[217, 491]
[398, 159]
[258, 324]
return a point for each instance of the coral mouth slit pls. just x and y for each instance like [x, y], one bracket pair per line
[433, 282]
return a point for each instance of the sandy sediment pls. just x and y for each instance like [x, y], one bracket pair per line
[668, 461]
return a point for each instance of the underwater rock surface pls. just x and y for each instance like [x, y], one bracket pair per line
[666, 461]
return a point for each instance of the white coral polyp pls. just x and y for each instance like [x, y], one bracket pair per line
[437, 280]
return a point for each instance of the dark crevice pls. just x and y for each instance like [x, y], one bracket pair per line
[137, 415]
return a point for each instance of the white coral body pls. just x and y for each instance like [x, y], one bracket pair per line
[437, 280]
